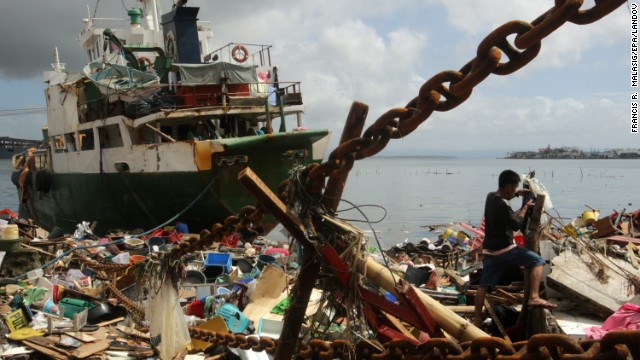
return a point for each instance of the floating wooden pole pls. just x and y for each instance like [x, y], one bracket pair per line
[449, 321]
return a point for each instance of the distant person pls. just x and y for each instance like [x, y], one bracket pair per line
[499, 249]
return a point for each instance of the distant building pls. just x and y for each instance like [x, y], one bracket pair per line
[566, 152]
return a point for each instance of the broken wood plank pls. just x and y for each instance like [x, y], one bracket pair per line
[571, 275]
[604, 227]
[398, 325]
[497, 321]
[465, 309]
[623, 240]
[457, 281]
[90, 349]
[45, 346]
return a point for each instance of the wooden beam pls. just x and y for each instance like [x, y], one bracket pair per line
[270, 201]
[352, 129]
[496, 320]
[534, 318]
[309, 270]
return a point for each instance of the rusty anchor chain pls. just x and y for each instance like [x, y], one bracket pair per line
[400, 122]
[615, 345]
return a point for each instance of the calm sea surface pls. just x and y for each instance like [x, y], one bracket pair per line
[416, 192]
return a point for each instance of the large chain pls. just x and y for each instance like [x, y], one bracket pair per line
[614, 345]
[400, 122]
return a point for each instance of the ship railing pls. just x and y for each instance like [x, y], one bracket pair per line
[202, 97]
[256, 54]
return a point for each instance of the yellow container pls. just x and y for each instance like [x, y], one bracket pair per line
[461, 236]
[448, 232]
[570, 230]
[589, 217]
[11, 232]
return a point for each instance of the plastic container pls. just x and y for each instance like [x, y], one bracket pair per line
[519, 239]
[135, 258]
[235, 319]
[245, 265]
[211, 273]
[589, 217]
[155, 241]
[195, 277]
[218, 259]
[270, 328]
[264, 260]
[11, 232]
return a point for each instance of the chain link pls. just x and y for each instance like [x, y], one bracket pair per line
[615, 345]
[399, 122]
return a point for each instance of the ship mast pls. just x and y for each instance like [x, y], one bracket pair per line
[57, 65]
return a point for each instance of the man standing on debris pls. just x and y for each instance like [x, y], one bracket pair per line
[499, 249]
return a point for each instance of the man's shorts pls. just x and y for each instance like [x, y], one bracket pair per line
[492, 265]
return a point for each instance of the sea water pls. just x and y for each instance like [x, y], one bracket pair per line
[398, 198]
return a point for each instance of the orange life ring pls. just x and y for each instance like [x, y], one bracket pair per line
[145, 60]
[240, 53]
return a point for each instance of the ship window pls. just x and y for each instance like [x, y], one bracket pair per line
[57, 142]
[110, 137]
[86, 140]
[70, 140]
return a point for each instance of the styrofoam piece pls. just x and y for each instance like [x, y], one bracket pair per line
[270, 328]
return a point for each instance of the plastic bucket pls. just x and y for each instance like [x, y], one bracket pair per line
[195, 277]
[155, 241]
[589, 217]
[245, 265]
[417, 276]
[264, 260]
[136, 258]
[212, 272]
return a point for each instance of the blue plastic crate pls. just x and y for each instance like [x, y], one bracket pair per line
[218, 259]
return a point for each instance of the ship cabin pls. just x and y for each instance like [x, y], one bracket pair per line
[188, 92]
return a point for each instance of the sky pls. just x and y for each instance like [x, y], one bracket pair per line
[576, 92]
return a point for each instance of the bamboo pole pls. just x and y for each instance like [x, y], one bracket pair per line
[449, 321]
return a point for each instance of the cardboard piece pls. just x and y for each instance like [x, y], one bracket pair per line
[269, 291]
[90, 349]
[216, 324]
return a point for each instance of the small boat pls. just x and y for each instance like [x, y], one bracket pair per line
[158, 126]
[114, 78]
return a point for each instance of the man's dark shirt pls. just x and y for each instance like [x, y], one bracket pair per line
[500, 222]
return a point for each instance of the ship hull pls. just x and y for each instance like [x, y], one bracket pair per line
[146, 199]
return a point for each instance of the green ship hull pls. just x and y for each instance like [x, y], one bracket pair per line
[146, 200]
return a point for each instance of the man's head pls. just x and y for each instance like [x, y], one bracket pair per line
[508, 182]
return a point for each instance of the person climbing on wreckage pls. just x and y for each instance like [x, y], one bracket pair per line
[499, 248]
